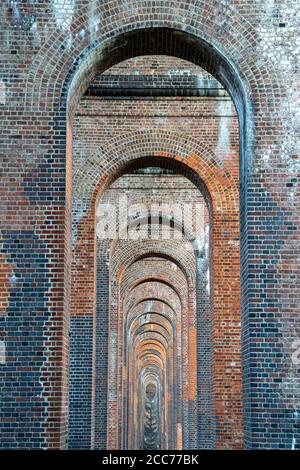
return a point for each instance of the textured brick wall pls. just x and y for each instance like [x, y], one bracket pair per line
[50, 53]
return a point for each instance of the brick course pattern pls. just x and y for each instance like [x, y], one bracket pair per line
[93, 96]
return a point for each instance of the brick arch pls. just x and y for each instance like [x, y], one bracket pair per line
[145, 249]
[125, 260]
[161, 274]
[130, 300]
[155, 266]
[128, 262]
[198, 163]
[232, 38]
[155, 301]
[151, 350]
[160, 329]
[154, 289]
[172, 343]
[160, 268]
[156, 278]
[156, 318]
[141, 310]
[98, 171]
[165, 220]
[126, 265]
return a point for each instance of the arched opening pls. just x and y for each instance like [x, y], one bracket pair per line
[141, 270]
[205, 408]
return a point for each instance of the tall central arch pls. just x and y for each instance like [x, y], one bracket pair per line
[221, 188]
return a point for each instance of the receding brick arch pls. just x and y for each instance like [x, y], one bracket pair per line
[149, 249]
[148, 351]
[157, 306]
[155, 268]
[235, 41]
[142, 309]
[225, 192]
[187, 301]
[196, 162]
[144, 246]
[151, 357]
[163, 276]
[157, 318]
[181, 229]
[132, 277]
[124, 260]
[153, 289]
[161, 279]
[148, 289]
[170, 343]
[188, 155]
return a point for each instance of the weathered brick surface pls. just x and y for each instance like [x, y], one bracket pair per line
[51, 52]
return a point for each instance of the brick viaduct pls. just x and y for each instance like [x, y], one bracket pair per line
[149, 274]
